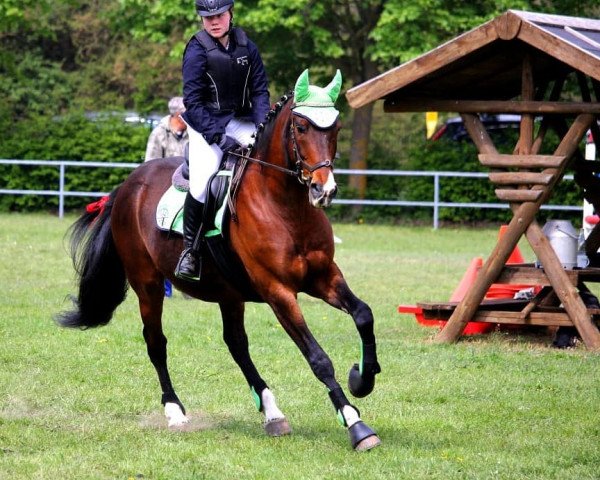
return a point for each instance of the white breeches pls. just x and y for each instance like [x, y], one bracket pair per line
[205, 158]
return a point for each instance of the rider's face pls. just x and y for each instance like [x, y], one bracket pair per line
[217, 25]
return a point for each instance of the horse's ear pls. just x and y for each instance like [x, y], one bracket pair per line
[301, 88]
[333, 89]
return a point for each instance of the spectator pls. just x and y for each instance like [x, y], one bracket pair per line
[170, 136]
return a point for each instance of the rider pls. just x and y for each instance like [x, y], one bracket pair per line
[226, 96]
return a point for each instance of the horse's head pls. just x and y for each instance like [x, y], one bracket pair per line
[314, 128]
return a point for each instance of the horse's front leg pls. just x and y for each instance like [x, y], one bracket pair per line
[236, 340]
[289, 315]
[334, 290]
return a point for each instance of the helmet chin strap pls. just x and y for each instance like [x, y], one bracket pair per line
[230, 24]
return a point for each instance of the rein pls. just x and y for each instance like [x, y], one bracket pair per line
[300, 162]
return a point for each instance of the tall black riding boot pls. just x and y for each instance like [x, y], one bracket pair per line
[190, 261]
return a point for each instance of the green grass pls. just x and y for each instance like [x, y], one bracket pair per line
[86, 405]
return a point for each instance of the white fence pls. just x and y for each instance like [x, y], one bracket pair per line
[435, 204]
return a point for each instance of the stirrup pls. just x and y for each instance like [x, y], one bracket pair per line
[189, 265]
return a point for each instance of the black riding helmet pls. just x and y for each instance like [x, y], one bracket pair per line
[207, 8]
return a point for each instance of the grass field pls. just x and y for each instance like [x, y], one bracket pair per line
[86, 404]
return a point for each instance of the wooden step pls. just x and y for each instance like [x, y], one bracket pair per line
[518, 196]
[520, 178]
[521, 161]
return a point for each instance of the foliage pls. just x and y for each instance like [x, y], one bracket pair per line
[73, 137]
[67, 56]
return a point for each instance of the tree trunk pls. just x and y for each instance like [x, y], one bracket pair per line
[359, 147]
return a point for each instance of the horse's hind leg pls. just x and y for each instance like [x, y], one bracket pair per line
[151, 298]
[236, 340]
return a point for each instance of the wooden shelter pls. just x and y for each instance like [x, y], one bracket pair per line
[516, 63]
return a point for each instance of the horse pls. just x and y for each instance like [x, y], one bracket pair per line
[279, 233]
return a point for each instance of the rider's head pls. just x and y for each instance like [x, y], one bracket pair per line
[214, 9]
[208, 8]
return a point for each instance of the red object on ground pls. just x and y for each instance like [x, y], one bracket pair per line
[496, 291]
[515, 256]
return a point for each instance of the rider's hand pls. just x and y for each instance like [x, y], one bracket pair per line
[226, 143]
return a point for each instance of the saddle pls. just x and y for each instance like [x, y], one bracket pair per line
[217, 211]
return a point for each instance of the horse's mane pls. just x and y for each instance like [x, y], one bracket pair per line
[264, 129]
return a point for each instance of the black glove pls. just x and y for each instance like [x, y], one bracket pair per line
[226, 143]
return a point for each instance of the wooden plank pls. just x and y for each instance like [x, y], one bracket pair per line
[527, 94]
[399, 77]
[515, 318]
[521, 161]
[558, 20]
[492, 304]
[531, 276]
[518, 196]
[568, 53]
[490, 106]
[520, 178]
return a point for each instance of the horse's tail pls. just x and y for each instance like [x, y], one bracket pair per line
[102, 281]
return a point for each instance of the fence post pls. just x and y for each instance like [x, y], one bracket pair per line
[436, 200]
[61, 191]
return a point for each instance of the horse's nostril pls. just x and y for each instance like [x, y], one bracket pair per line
[316, 188]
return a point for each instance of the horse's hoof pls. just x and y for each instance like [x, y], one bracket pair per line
[175, 416]
[278, 427]
[368, 443]
[358, 385]
[362, 437]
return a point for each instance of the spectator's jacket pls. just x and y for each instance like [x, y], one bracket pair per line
[220, 84]
[163, 143]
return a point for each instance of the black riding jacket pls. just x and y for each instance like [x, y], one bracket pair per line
[220, 84]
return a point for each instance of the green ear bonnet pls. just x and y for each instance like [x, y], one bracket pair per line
[317, 104]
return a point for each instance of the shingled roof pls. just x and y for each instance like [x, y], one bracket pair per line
[486, 63]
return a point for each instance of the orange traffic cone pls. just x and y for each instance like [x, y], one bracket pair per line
[467, 280]
[515, 256]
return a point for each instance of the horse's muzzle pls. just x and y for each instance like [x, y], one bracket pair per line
[320, 195]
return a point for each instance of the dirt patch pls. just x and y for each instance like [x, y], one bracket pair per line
[197, 422]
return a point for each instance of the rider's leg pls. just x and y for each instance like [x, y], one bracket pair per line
[204, 161]
[190, 261]
[242, 131]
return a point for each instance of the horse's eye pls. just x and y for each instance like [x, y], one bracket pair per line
[301, 128]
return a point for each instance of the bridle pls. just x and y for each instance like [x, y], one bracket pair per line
[299, 161]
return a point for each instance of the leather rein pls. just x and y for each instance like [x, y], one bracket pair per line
[299, 160]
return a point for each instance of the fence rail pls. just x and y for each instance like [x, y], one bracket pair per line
[435, 203]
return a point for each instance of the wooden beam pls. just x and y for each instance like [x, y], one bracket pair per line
[527, 94]
[518, 196]
[490, 106]
[520, 178]
[521, 161]
[567, 52]
[396, 78]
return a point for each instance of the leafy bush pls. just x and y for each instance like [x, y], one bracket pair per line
[73, 137]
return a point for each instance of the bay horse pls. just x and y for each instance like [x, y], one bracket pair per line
[284, 243]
